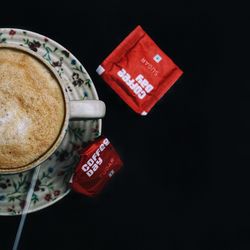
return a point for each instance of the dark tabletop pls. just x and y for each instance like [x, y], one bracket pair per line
[185, 181]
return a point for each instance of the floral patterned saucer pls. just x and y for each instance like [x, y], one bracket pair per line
[52, 184]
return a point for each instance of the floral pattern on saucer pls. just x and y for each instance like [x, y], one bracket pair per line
[52, 184]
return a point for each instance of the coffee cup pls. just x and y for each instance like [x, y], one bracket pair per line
[34, 109]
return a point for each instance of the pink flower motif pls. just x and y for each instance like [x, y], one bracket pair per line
[57, 192]
[12, 32]
[77, 148]
[60, 173]
[94, 129]
[22, 203]
[11, 209]
[47, 197]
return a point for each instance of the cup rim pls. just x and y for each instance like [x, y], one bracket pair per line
[65, 123]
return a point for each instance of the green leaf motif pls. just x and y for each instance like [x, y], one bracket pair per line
[50, 186]
[34, 198]
[77, 133]
[87, 82]
[2, 40]
[14, 197]
[79, 69]
[11, 198]
[26, 41]
[48, 49]
[15, 186]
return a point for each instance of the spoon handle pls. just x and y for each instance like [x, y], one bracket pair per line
[26, 207]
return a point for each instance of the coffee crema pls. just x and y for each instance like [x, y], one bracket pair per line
[32, 109]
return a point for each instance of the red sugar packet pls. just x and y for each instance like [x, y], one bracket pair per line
[98, 163]
[139, 71]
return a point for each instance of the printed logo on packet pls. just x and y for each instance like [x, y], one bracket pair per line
[139, 71]
[99, 162]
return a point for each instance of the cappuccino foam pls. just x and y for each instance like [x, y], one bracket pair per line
[32, 109]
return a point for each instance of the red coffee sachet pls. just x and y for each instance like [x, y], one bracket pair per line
[139, 71]
[98, 163]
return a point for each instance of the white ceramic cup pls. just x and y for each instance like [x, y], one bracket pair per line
[85, 109]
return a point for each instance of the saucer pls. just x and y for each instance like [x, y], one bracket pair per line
[52, 184]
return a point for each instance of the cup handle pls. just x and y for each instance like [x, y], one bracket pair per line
[92, 109]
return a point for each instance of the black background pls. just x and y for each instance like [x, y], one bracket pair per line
[185, 181]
